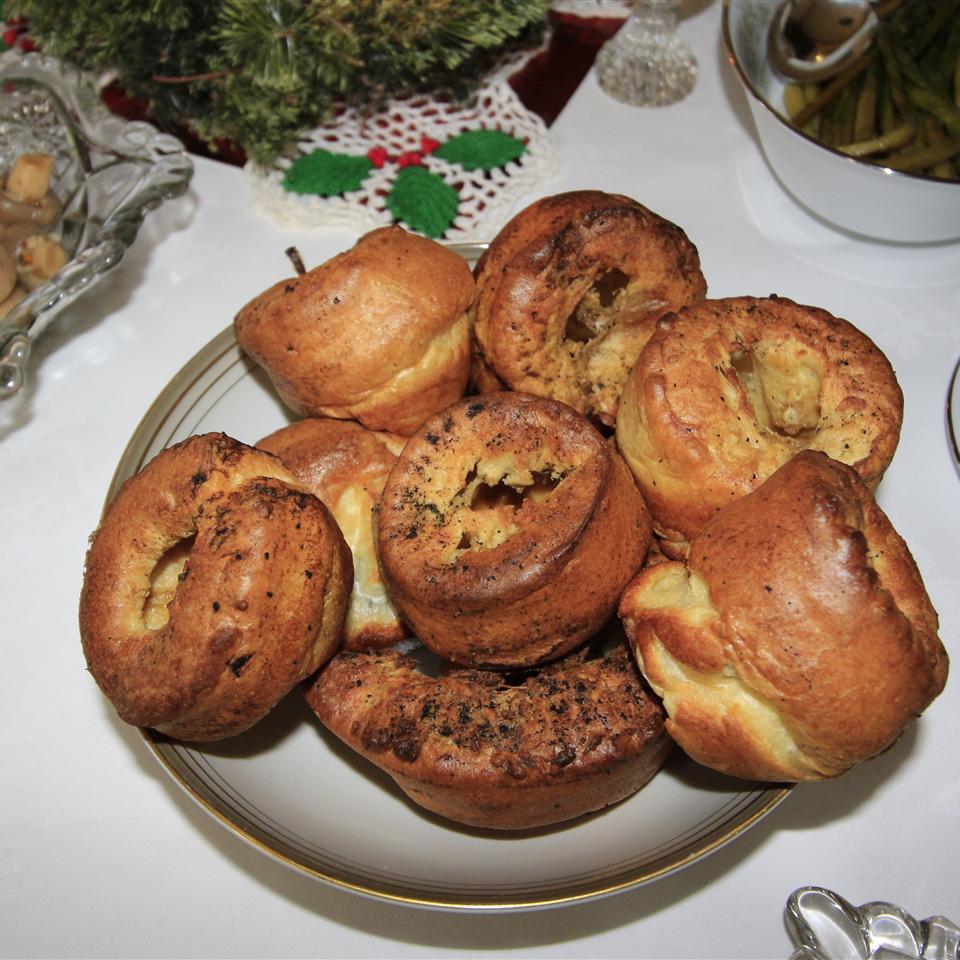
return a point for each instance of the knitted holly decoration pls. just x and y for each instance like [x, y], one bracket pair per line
[418, 197]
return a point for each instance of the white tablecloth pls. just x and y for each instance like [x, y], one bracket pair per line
[101, 855]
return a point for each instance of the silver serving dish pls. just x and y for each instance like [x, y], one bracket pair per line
[108, 174]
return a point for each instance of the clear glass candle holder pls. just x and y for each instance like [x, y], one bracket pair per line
[645, 63]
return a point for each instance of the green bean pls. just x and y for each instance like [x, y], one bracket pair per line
[945, 12]
[949, 57]
[888, 115]
[910, 69]
[909, 21]
[812, 126]
[896, 138]
[894, 74]
[937, 106]
[865, 117]
[899, 104]
[794, 99]
[832, 90]
[847, 109]
[925, 157]
[935, 134]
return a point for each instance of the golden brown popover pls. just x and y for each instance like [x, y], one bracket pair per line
[507, 530]
[490, 751]
[346, 466]
[213, 585]
[380, 333]
[798, 639]
[726, 391]
[569, 290]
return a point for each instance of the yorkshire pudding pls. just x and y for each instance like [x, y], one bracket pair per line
[798, 639]
[726, 391]
[568, 292]
[346, 466]
[507, 530]
[476, 748]
[213, 585]
[379, 334]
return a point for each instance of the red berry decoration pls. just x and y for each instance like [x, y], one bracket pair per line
[412, 158]
[378, 156]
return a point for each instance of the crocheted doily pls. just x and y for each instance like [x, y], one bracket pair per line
[448, 171]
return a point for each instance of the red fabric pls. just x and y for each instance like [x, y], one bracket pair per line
[550, 79]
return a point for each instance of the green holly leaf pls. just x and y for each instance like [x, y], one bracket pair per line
[481, 149]
[326, 174]
[423, 201]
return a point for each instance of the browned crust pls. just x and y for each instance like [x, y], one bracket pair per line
[817, 607]
[691, 434]
[471, 747]
[379, 333]
[329, 456]
[346, 466]
[545, 265]
[555, 578]
[259, 604]
[483, 378]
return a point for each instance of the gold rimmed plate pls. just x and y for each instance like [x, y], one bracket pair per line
[294, 792]
[953, 411]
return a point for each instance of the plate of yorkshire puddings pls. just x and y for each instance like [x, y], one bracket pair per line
[515, 584]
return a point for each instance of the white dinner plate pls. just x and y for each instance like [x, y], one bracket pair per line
[296, 793]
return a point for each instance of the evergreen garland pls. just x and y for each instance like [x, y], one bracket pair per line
[260, 72]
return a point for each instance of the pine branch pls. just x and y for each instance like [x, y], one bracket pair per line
[260, 72]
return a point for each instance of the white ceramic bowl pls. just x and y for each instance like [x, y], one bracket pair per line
[855, 195]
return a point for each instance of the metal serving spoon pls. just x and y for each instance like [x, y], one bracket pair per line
[814, 40]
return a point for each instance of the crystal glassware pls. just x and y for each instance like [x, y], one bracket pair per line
[824, 926]
[645, 63]
[108, 173]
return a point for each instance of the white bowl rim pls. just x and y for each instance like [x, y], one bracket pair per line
[866, 165]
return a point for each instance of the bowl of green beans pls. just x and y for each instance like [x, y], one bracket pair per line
[874, 150]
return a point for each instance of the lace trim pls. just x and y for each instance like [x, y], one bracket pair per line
[485, 196]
